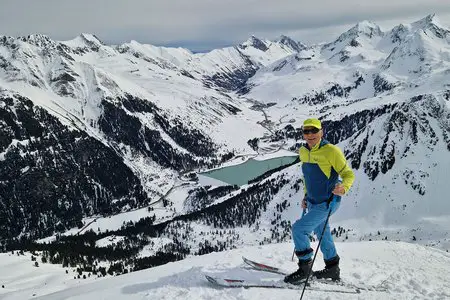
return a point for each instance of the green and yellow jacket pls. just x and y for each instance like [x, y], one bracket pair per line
[322, 165]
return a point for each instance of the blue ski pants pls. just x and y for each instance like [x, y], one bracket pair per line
[314, 220]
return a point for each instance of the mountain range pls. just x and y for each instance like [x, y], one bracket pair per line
[100, 144]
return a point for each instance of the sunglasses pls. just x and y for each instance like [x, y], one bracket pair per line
[312, 130]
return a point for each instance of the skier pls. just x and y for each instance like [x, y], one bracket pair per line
[322, 164]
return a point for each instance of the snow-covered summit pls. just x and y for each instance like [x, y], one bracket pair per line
[254, 42]
[39, 40]
[422, 47]
[84, 40]
[289, 42]
[366, 28]
[362, 37]
[430, 24]
[432, 20]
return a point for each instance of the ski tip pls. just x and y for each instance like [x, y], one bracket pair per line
[212, 280]
[248, 261]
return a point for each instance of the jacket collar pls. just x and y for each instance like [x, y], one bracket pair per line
[321, 143]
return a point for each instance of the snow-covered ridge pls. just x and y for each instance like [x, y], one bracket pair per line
[405, 270]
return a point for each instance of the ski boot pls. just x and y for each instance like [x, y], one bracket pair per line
[331, 270]
[300, 275]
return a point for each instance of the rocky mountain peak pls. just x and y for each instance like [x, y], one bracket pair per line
[428, 21]
[91, 39]
[255, 42]
[287, 41]
[39, 40]
[366, 28]
[432, 24]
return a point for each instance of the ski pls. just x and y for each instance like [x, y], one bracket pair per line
[263, 267]
[241, 283]
[267, 268]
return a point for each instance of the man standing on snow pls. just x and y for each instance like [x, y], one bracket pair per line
[322, 164]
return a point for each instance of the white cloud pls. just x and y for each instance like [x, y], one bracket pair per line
[203, 23]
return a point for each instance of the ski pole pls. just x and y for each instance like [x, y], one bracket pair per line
[315, 254]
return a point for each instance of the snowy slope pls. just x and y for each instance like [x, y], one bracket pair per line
[407, 271]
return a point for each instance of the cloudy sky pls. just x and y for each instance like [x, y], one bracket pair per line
[206, 24]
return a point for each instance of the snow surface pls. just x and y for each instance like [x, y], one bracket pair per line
[407, 271]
